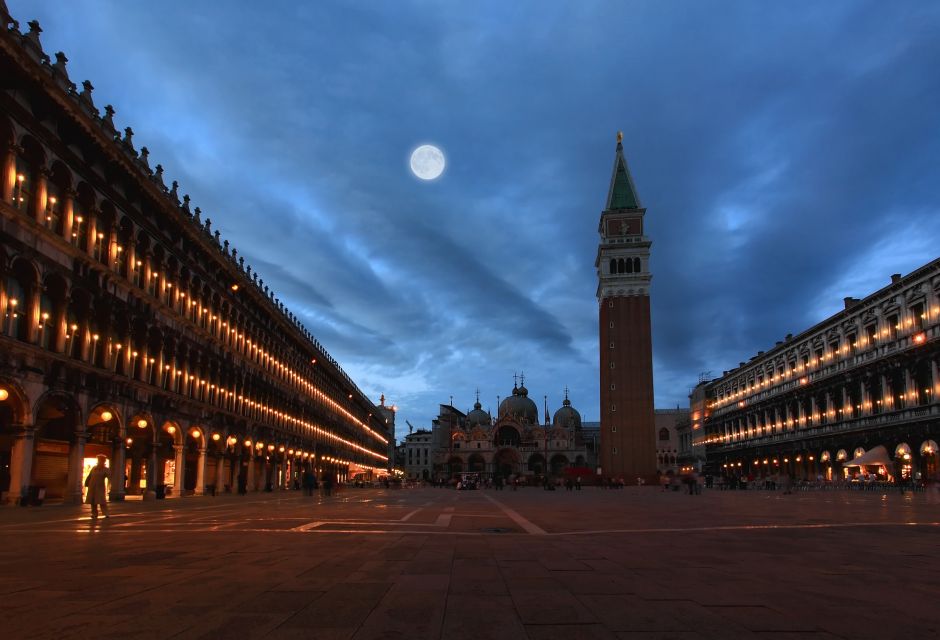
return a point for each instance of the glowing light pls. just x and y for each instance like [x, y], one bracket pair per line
[106, 415]
[171, 429]
[142, 424]
[4, 394]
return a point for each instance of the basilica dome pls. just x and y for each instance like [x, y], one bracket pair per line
[520, 406]
[478, 416]
[567, 417]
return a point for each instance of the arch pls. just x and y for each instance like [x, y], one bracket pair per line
[476, 463]
[558, 464]
[928, 447]
[902, 450]
[14, 412]
[536, 463]
[621, 268]
[455, 464]
[508, 435]
[15, 402]
[664, 434]
[629, 265]
[28, 165]
[19, 287]
[636, 265]
[57, 419]
[613, 265]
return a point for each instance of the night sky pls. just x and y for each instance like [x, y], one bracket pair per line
[788, 155]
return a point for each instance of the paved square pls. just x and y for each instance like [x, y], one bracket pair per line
[437, 563]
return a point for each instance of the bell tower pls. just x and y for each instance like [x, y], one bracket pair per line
[628, 446]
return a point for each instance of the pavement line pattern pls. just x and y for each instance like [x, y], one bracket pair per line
[408, 516]
[530, 527]
[308, 526]
[443, 520]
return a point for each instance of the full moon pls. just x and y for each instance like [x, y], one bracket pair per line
[427, 162]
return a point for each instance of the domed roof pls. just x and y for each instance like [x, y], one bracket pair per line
[567, 416]
[478, 416]
[520, 406]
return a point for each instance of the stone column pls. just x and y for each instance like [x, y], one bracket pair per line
[118, 463]
[73, 488]
[251, 471]
[7, 174]
[812, 410]
[910, 389]
[201, 473]
[865, 399]
[21, 462]
[934, 380]
[886, 393]
[220, 473]
[31, 311]
[178, 480]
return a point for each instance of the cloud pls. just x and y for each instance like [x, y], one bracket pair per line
[786, 159]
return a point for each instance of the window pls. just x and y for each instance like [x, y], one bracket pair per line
[613, 429]
[613, 265]
[615, 450]
[664, 434]
[636, 265]
[611, 325]
[613, 387]
[629, 265]
[871, 330]
[611, 345]
[610, 303]
[613, 407]
[612, 365]
[893, 326]
[918, 315]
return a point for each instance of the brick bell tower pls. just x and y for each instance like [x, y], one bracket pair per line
[628, 446]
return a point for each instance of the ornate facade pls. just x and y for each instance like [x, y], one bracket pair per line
[627, 446]
[513, 444]
[131, 329]
[863, 378]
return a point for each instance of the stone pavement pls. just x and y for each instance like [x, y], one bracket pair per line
[437, 563]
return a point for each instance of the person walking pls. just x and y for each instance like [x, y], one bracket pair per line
[97, 494]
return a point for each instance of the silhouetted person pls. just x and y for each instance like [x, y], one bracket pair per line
[97, 494]
[242, 482]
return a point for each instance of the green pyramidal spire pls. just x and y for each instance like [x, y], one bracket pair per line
[622, 193]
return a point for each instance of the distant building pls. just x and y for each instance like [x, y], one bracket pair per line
[386, 416]
[626, 354]
[691, 431]
[418, 448]
[667, 438]
[862, 384]
[515, 444]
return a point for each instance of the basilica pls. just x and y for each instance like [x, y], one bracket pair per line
[514, 444]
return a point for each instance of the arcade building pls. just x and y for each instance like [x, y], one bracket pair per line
[129, 328]
[856, 394]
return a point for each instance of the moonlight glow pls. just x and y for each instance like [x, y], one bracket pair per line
[427, 162]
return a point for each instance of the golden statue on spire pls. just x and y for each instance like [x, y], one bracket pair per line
[620, 136]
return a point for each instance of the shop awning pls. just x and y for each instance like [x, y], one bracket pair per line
[875, 456]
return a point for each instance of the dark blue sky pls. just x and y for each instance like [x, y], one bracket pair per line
[788, 155]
